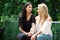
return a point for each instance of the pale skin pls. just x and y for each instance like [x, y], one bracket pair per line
[39, 32]
[40, 15]
[28, 15]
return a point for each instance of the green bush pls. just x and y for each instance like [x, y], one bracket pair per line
[9, 14]
[11, 30]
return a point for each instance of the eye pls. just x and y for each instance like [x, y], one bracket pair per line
[29, 7]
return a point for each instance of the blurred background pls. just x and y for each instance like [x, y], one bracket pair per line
[10, 10]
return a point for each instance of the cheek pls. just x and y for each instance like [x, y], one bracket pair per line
[26, 9]
[38, 11]
[30, 9]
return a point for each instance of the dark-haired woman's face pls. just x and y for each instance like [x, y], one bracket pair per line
[29, 8]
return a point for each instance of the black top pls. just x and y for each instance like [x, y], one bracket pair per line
[28, 24]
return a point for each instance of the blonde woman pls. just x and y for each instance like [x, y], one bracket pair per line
[43, 24]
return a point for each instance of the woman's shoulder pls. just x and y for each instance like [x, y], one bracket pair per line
[49, 19]
[32, 16]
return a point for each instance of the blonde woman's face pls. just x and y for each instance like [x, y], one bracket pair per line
[39, 11]
[42, 10]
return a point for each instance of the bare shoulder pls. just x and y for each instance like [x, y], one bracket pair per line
[49, 19]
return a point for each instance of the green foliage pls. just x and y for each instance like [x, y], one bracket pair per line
[11, 30]
[58, 16]
[55, 30]
[9, 14]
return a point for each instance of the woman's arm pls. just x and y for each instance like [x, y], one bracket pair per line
[22, 30]
[32, 30]
[33, 24]
[20, 26]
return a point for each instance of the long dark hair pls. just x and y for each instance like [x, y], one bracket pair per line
[24, 19]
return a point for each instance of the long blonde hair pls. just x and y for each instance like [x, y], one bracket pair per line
[44, 9]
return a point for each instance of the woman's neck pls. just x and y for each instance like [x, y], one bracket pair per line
[28, 15]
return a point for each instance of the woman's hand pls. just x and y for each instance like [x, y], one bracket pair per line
[29, 34]
[33, 37]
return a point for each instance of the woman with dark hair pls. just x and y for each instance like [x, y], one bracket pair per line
[26, 23]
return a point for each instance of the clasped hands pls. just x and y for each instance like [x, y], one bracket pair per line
[30, 34]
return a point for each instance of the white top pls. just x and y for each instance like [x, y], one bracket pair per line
[45, 28]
